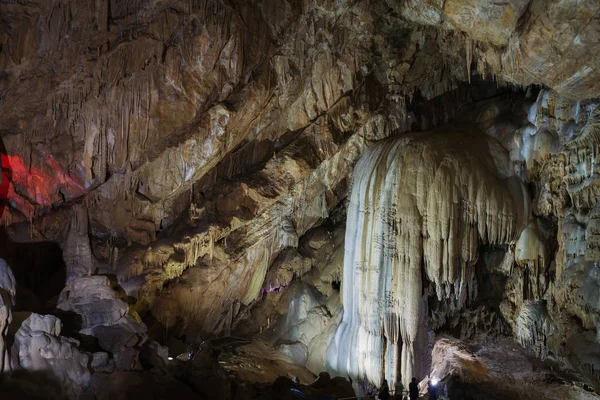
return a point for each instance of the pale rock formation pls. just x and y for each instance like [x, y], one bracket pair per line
[451, 358]
[310, 324]
[39, 348]
[77, 252]
[414, 205]
[7, 301]
[532, 255]
[550, 297]
[106, 317]
[534, 326]
[94, 300]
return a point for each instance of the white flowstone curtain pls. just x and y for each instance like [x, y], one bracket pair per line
[420, 206]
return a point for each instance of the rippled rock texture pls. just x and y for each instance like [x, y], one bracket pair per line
[419, 209]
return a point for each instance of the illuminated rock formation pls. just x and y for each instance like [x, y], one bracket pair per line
[7, 301]
[38, 347]
[420, 206]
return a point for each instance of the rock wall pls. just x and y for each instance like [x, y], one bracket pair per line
[558, 158]
[147, 114]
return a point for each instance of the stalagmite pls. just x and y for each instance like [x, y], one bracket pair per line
[419, 208]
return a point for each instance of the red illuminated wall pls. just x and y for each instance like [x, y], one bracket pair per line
[26, 188]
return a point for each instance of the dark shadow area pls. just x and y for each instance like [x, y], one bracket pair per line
[6, 177]
[458, 390]
[156, 329]
[25, 385]
[39, 270]
[482, 314]
[336, 285]
[140, 385]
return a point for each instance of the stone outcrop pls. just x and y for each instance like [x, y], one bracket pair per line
[7, 301]
[105, 317]
[450, 357]
[94, 301]
[523, 41]
[38, 348]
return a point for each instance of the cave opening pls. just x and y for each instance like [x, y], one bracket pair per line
[39, 270]
[336, 285]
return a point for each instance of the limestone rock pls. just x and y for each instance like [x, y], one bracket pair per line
[534, 327]
[7, 301]
[105, 317]
[39, 348]
[451, 358]
[93, 299]
[125, 333]
[7, 281]
[101, 362]
[154, 355]
[128, 360]
[199, 152]
[412, 205]
[485, 21]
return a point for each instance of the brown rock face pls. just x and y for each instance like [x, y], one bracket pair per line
[485, 21]
[199, 155]
[554, 43]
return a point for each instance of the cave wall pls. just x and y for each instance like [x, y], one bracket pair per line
[195, 149]
[519, 194]
[134, 157]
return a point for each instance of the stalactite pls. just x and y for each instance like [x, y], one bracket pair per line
[419, 207]
[469, 54]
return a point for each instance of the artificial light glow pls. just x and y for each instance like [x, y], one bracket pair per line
[434, 381]
[170, 358]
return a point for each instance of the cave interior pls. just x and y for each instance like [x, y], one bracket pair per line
[281, 199]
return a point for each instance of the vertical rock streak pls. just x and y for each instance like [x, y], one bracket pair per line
[419, 208]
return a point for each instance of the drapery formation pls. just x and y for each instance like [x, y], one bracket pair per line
[420, 206]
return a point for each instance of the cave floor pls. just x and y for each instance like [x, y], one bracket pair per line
[512, 371]
[515, 373]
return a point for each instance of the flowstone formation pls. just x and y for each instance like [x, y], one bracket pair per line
[420, 206]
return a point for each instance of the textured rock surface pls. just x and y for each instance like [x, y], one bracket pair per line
[537, 41]
[7, 301]
[93, 299]
[39, 348]
[419, 200]
[479, 370]
[201, 153]
[451, 358]
[105, 317]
